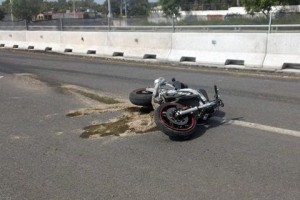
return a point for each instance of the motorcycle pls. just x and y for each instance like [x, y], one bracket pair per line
[177, 108]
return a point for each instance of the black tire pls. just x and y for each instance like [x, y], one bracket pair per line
[180, 128]
[141, 97]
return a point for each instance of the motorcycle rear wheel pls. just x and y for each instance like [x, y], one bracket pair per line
[141, 97]
[181, 127]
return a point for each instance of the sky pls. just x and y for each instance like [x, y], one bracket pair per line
[98, 1]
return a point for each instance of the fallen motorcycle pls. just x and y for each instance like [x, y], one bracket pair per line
[177, 108]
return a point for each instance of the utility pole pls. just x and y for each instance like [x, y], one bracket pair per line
[125, 8]
[11, 11]
[238, 3]
[109, 15]
[121, 8]
[74, 9]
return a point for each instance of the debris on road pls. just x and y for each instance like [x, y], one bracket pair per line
[130, 121]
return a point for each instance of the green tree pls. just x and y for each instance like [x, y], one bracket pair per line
[264, 6]
[26, 9]
[100, 8]
[87, 3]
[170, 7]
[137, 7]
[134, 7]
[6, 6]
[293, 2]
[46, 6]
[188, 5]
[115, 7]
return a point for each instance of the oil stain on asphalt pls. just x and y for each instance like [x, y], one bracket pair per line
[130, 120]
[133, 121]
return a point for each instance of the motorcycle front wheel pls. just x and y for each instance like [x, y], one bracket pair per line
[141, 97]
[176, 127]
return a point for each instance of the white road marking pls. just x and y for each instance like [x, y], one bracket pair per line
[1, 76]
[264, 128]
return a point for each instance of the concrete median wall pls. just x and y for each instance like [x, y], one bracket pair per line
[242, 50]
[84, 42]
[219, 48]
[43, 40]
[283, 50]
[139, 45]
[13, 39]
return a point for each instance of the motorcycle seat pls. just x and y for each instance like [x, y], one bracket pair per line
[179, 85]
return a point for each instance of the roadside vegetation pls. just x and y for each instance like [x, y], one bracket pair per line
[137, 11]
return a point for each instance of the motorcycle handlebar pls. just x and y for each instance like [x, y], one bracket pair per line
[216, 92]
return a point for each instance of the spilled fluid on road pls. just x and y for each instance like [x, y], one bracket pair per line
[130, 120]
[134, 120]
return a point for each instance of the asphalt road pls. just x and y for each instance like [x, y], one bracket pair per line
[43, 157]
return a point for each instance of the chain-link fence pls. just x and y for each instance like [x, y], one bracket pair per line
[188, 22]
[8, 25]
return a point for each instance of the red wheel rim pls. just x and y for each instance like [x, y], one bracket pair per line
[184, 123]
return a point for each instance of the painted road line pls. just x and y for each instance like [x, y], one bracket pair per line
[1, 76]
[264, 128]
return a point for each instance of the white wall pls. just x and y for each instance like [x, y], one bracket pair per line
[40, 40]
[216, 48]
[136, 45]
[81, 42]
[10, 38]
[282, 48]
[257, 50]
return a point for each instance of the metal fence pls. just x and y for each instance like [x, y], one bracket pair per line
[282, 22]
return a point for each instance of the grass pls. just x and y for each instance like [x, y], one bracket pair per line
[235, 21]
[287, 19]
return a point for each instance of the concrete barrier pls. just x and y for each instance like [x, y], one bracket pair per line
[139, 45]
[251, 50]
[13, 39]
[43, 40]
[283, 50]
[84, 42]
[219, 48]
